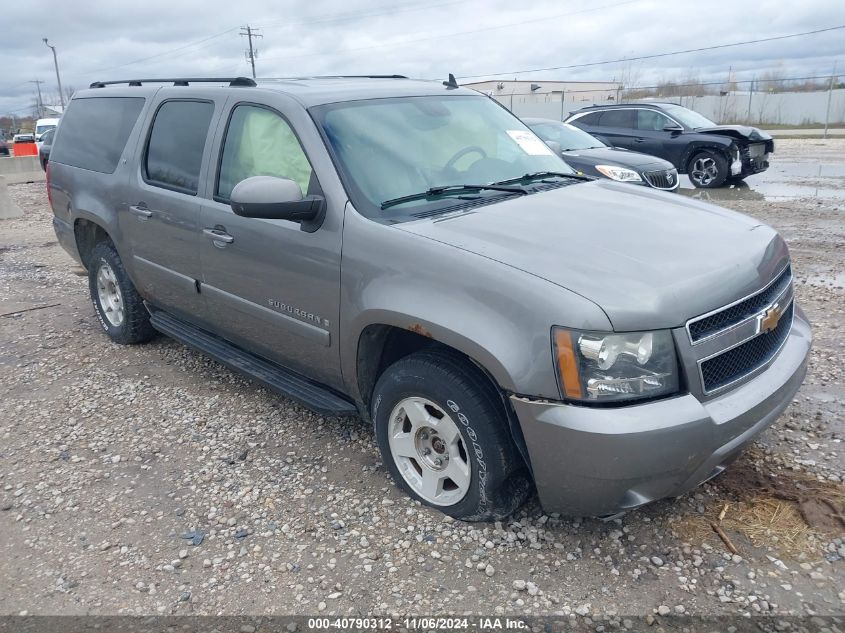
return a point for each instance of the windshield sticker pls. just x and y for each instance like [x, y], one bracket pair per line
[529, 143]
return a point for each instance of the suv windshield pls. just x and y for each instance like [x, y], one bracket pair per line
[391, 148]
[568, 136]
[688, 118]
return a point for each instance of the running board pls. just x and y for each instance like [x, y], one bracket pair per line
[284, 381]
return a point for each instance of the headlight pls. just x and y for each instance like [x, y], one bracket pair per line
[622, 174]
[604, 367]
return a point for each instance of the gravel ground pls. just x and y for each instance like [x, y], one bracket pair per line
[151, 480]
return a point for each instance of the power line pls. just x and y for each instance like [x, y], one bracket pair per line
[455, 34]
[669, 86]
[654, 56]
[163, 53]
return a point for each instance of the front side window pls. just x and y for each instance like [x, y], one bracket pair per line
[652, 121]
[177, 142]
[391, 148]
[617, 118]
[689, 118]
[259, 142]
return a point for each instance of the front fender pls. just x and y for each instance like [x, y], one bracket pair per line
[704, 141]
[499, 316]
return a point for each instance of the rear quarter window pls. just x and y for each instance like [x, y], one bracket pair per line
[95, 131]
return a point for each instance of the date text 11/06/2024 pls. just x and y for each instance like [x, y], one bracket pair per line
[418, 623]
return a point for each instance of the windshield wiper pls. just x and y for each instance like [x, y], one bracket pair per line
[541, 175]
[445, 190]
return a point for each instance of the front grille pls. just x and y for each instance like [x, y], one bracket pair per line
[730, 316]
[663, 179]
[737, 362]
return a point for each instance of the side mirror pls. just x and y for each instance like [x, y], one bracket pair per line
[671, 127]
[554, 146]
[271, 198]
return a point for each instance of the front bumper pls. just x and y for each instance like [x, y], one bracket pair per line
[590, 461]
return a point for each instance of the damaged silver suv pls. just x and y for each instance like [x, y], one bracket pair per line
[409, 251]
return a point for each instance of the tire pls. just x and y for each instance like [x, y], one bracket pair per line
[118, 305]
[708, 169]
[459, 418]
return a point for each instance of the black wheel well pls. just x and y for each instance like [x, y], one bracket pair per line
[379, 346]
[693, 151]
[88, 234]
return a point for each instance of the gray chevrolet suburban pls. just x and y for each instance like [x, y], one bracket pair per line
[411, 252]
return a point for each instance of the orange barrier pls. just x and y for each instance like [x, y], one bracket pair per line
[25, 149]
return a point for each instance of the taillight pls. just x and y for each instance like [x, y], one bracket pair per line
[49, 190]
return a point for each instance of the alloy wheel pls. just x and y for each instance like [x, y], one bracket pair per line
[109, 295]
[704, 171]
[428, 450]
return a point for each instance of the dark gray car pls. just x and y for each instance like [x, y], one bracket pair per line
[413, 253]
[587, 154]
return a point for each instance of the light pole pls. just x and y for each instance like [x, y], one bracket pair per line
[58, 78]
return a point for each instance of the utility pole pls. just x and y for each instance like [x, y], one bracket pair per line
[38, 83]
[829, 94]
[252, 53]
[58, 78]
[750, 95]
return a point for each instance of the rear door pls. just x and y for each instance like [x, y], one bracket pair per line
[617, 126]
[161, 223]
[271, 287]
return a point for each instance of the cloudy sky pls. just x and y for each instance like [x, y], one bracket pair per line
[117, 39]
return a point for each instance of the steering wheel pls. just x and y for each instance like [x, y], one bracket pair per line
[472, 149]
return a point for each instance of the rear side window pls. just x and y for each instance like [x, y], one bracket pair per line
[177, 141]
[617, 118]
[589, 119]
[94, 132]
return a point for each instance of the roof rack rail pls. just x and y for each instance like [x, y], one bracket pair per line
[180, 81]
[340, 77]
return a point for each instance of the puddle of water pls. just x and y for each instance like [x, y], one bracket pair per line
[782, 181]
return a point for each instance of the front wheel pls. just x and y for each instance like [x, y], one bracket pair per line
[443, 434]
[708, 170]
[119, 307]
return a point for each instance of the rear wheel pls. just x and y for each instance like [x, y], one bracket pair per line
[119, 307]
[708, 169]
[443, 434]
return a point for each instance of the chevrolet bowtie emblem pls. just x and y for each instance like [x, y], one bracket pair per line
[770, 318]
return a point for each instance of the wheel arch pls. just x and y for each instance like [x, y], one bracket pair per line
[709, 145]
[87, 234]
[382, 344]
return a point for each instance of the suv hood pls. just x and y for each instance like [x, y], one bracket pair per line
[736, 131]
[649, 259]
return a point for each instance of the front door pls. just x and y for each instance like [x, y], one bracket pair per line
[161, 223]
[271, 287]
[651, 133]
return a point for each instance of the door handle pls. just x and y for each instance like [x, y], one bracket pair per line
[141, 211]
[639, 139]
[219, 235]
